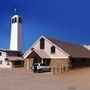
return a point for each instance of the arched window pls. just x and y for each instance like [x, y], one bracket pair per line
[42, 43]
[20, 20]
[53, 49]
[12, 20]
[15, 19]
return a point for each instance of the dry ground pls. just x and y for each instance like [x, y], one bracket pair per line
[22, 79]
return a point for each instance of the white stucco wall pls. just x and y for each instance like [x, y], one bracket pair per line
[16, 35]
[58, 54]
[4, 63]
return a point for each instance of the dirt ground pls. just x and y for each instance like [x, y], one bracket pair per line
[22, 79]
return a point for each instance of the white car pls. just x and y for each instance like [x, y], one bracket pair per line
[40, 67]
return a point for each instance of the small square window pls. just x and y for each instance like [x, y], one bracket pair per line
[0, 53]
[0, 61]
[20, 20]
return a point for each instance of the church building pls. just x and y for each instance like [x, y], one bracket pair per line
[57, 54]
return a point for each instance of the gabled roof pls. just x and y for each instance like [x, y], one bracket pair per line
[73, 50]
[41, 53]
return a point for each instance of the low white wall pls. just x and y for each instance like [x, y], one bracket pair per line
[4, 62]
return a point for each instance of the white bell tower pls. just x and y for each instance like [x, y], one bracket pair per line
[16, 33]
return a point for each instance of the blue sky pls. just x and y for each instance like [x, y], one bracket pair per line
[67, 20]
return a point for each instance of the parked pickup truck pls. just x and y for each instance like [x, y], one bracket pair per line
[39, 67]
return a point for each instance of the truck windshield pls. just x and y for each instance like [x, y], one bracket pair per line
[35, 64]
[43, 65]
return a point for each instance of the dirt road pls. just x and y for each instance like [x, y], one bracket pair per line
[22, 79]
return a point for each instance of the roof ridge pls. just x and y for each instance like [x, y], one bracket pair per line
[64, 41]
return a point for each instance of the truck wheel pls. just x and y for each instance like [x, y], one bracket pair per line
[34, 71]
[40, 71]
